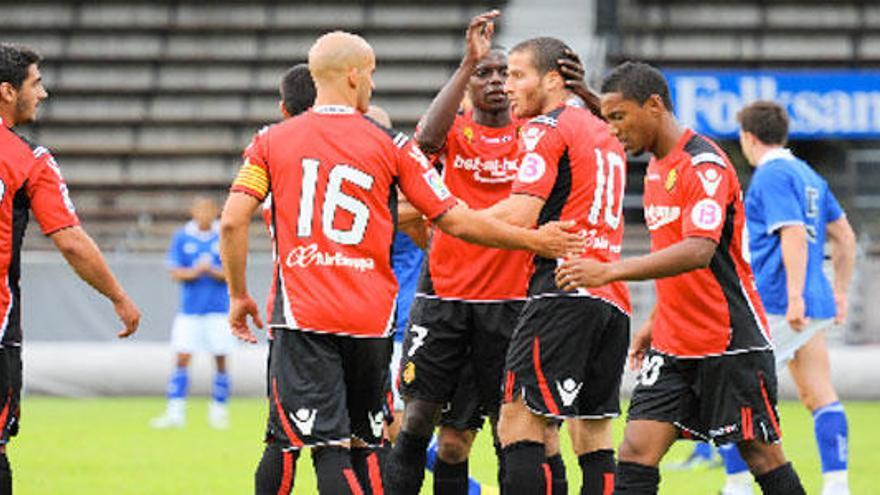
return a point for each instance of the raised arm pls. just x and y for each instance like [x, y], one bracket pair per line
[437, 121]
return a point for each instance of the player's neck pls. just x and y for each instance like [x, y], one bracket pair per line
[333, 97]
[554, 101]
[498, 118]
[6, 117]
[762, 150]
[668, 135]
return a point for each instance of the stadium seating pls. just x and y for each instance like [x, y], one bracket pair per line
[152, 102]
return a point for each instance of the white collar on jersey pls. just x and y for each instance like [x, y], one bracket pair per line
[192, 229]
[776, 154]
[333, 109]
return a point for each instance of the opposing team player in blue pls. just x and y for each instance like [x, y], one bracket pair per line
[200, 325]
[790, 212]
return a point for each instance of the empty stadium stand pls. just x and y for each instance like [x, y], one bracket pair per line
[152, 102]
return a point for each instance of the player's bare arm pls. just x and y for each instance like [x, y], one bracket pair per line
[437, 121]
[573, 72]
[843, 259]
[83, 255]
[552, 240]
[518, 209]
[690, 254]
[234, 223]
[793, 243]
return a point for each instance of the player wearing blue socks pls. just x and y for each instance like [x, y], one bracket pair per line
[200, 325]
[790, 211]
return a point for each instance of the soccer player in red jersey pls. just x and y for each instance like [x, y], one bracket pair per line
[568, 349]
[30, 179]
[332, 174]
[707, 367]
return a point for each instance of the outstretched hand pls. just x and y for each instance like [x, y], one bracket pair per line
[479, 35]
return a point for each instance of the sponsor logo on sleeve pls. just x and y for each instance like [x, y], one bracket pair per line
[436, 182]
[711, 179]
[532, 168]
[531, 136]
[707, 214]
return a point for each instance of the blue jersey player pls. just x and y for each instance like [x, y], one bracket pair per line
[790, 214]
[200, 324]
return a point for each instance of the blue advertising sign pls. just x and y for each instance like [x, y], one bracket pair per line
[822, 104]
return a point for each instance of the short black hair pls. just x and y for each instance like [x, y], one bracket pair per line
[546, 52]
[637, 81]
[767, 120]
[14, 63]
[297, 89]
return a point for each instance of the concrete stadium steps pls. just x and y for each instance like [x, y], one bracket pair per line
[750, 33]
[152, 102]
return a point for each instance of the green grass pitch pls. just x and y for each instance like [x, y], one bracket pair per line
[104, 446]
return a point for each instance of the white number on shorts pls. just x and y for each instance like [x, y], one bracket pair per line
[419, 335]
[334, 199]
[650, 370]
[609, 189]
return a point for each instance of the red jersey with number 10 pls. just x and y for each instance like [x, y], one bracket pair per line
[479, 167]
[694, 192]
[332, 173]
[571, 160]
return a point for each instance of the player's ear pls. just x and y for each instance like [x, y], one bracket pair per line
[554, 81]
[283, 110]
[654, 104]
[352, 77]
[7, 92]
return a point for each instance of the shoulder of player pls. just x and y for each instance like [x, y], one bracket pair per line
[549, 119]
[22, 147]
[398, 138]
[702, 151]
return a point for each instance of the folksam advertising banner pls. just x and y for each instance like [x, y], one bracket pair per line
[822, 104]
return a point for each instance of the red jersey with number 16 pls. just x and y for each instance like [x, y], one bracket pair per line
[332, 173]
[479, 167]
[694, 192]
[571, 160]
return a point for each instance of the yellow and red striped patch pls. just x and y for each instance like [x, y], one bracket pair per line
[253, 177]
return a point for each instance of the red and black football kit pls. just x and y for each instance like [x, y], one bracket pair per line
[30, 180]
[568, 349]
[710, 370]
[333, 175]
[469, 296]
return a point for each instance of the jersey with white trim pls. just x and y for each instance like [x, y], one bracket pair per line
[479, 167]
[30, 179]
[190, 246]
[333, 174]
[694, 192]
[570, 159]
[787, 191]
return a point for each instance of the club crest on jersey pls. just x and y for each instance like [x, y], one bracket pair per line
[532, 168]
[671, 179]
[436, 182]
[568, 391]
[530, 137]
[707, 214]
[711, 179]
[409, 372]
[468, 133]
[304, 419]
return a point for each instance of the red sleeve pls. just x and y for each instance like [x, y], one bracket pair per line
[421, 183]
[49, 197]
[253, 176]
[705, 189]
[541, 147]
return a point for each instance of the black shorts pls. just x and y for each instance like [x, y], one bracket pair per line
[726, 399]
[566, 358]
[444, 338]
[463, 411]
[326, 389]
[10, 392]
